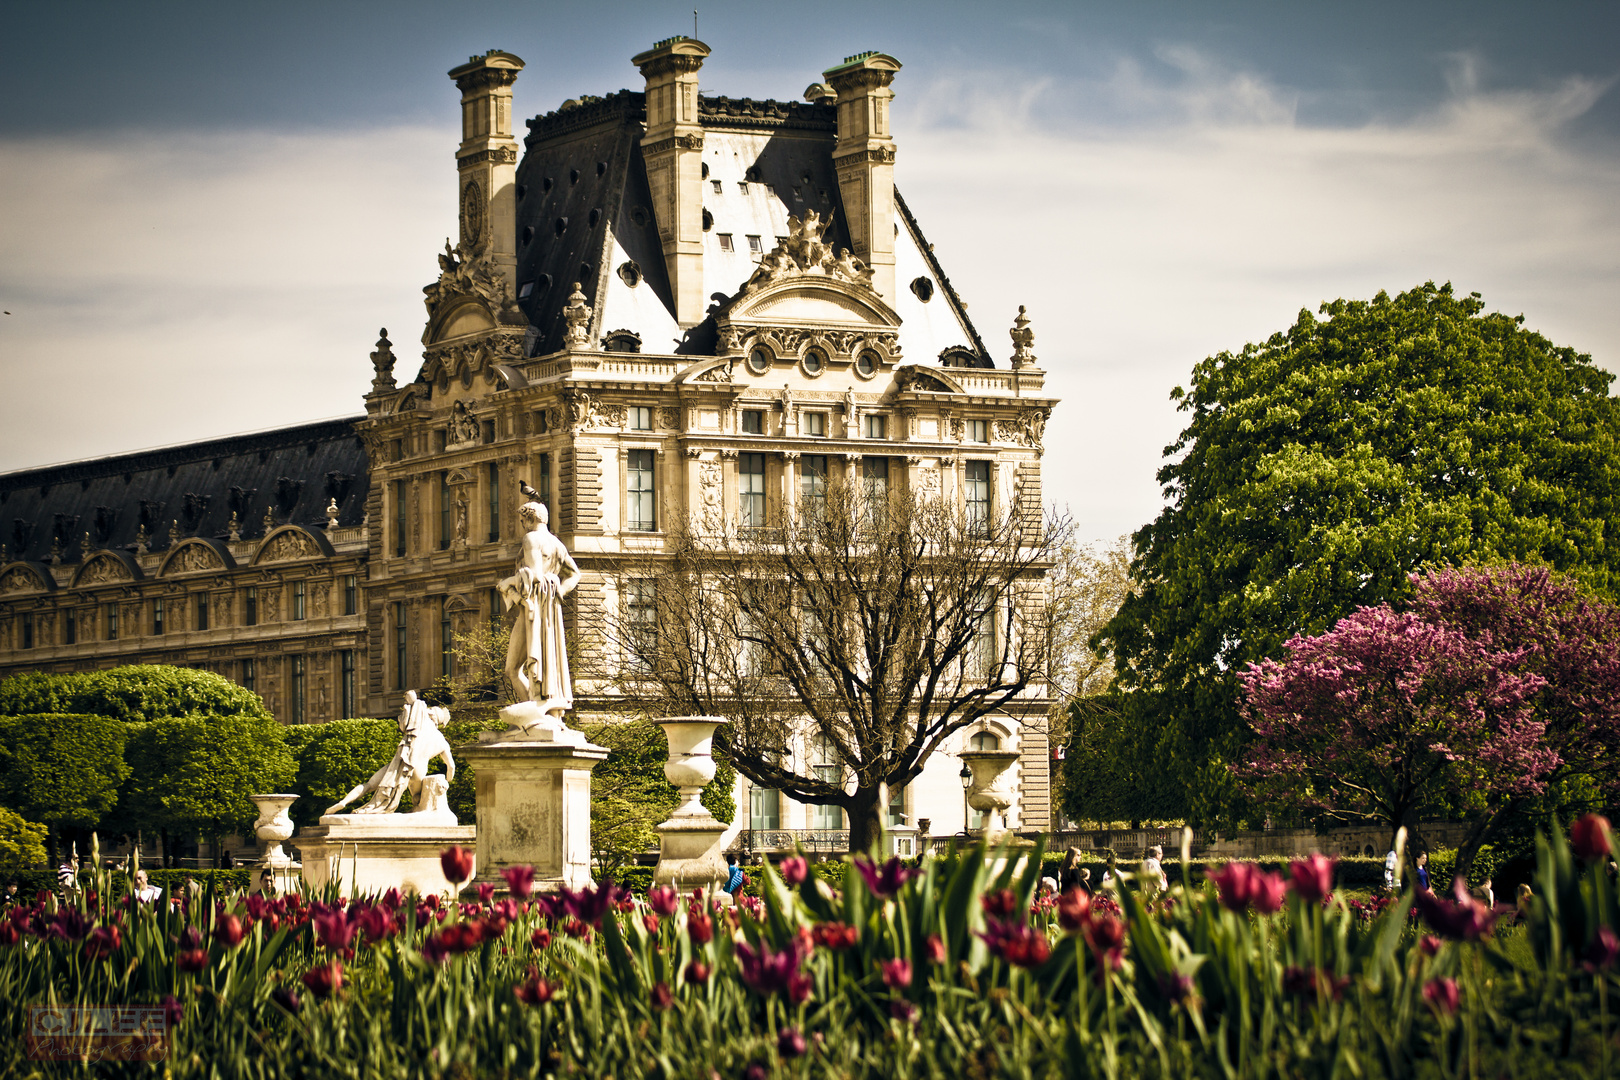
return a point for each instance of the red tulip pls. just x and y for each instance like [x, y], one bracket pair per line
[486, 891]
[173, 1011]
[697, 972]
[1242, 885]
[1073, 908]
[664, 899]
[519, 880]
[229, 931]
[325, 980]
[700, 927]
[1601, 954]
[534, 990]
[541, 938]
[191, 960]
[936, 949]
[1443, 995]
[457, 863]
[835, 936]
[1313, 878]
[661, 997]
[791, 1044]
[1590, 837]
[896, 973]
[103, 941]
[794, 870]
[1000, 904]
[650, 921]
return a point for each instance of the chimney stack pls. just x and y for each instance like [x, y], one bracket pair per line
[864, 158]
[673, 150]
[486, 163]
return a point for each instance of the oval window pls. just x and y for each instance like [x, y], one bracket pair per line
[759, 361]
[866, 364]
[814, 361]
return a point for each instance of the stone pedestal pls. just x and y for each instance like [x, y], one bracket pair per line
[372, 853]
[690, 843]
[989, 793]
[273, 828]
[534, 804]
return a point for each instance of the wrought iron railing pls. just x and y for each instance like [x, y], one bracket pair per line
[816, 841]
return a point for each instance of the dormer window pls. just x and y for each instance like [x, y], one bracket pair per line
[623, 341]
[725, 242]
[719, 187]
[742, 187]
[755, 246]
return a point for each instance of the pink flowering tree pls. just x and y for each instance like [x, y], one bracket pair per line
[1388, 717]
[1571, 640]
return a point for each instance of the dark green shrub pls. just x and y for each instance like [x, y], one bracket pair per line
[61, 768]
[133, 693]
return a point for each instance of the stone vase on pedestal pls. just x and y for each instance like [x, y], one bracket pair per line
[274, 828]
[990, 794]
[534, 803]
[690, 843]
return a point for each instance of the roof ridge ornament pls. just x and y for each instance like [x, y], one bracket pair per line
[470, 271]
[579, 319]
[1023, 339]
[382, 363]
[804, 253]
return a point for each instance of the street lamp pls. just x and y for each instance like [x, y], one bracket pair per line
[966, 776]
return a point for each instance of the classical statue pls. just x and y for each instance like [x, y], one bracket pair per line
[537, 658]
[419, 743]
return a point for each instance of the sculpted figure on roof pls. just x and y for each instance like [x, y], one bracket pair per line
[804, 252]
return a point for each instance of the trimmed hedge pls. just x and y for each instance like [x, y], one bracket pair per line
[31, 881]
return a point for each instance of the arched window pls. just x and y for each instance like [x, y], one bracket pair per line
[985, 740]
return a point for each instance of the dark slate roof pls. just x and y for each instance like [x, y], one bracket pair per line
[295, 469]
[585, 159]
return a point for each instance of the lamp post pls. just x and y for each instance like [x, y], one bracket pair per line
[966, 776]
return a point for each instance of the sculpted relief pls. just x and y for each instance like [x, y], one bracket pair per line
[289, 545]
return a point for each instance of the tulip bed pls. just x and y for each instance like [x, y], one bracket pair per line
[954, 969]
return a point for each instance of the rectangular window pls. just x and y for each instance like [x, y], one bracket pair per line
[396, 450]
[494, 483]
[976, 489]
[346, 684]
[246, 676]
[545, 489]
[157, 618]
[250, 606]
[641, 418]
[488, 432]
[351, 594]
[447, 512]
[70, 627]
[295, 690]
[401, 517]
[742, 187]
[978, 431]
[201, 621]
[641, 619]
[541, 424]
[447, 641]
[751, 490]
[441, 439]
[399, 645]
[982, 652]
[827, 817]
[877, 427]
[638, 496]
[897, 806]
[875, 476]
[813, 483]
[755, 246]
[725, 242]
[718, 189]
[111, 616]
[493, 599]
[764, 809]
[753, 421]
[28, 629]
[298, 599]
[815, 424]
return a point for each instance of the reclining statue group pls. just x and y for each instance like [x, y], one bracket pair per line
[536, 666]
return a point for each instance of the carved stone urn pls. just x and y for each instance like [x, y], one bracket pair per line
[990, 794]
[273, 827]
[691, 842]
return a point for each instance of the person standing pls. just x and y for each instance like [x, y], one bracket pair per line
[1423, 871]
[144, 892]
[1069, 872]
[1154, 878]
[67, 877]
[1391, 861]
[734, 875]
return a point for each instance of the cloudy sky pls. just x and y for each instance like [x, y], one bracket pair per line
[206, 211]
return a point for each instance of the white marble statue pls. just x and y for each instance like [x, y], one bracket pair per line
[420, 741]
[537, 658]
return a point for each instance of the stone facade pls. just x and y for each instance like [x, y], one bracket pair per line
[651, 316]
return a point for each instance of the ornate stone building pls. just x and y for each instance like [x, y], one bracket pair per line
[664, 307]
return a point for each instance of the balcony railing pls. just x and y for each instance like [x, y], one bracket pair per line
[814, 841]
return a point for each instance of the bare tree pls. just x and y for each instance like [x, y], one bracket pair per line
[879, 624]
[1087, 585]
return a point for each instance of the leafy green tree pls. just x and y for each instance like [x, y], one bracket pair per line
[61, 769]
[1321, 467]
[22, 843]
[332, 758]
[196, 772]
[133, 693]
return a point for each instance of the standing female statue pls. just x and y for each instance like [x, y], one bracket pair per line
[537, 658]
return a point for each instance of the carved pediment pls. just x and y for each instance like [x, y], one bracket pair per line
[291, 542]
[912, 377]
[25, 578]
[107, 568]
[470, 296]
[805, 281]
[197, 556]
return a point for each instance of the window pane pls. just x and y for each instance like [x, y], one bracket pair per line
[813, 483]
[751, 490]
[877, 427]
[764, 809]
[815, 424]
[976, 490]
[639, 498]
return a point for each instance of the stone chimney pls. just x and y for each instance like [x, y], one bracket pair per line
[673, 150]
[864, 158]
[486, 163]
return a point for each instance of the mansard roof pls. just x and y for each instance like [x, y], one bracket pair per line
[293, 471]
[584, 214]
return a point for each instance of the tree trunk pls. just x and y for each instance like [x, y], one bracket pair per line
[1475, 838]
[865, 822]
